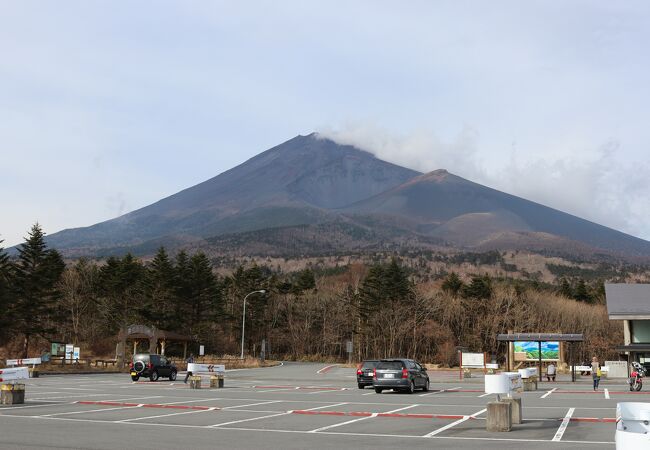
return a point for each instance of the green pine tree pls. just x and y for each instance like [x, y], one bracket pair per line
[452, 284]
[581, 293]
[158, 308]
[37, 272]
[480, 288]
[6, 320]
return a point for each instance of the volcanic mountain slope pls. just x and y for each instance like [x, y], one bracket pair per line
[336, 198]
[468, 214]
[295, 183]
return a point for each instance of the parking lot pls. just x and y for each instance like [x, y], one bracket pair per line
[298, 406]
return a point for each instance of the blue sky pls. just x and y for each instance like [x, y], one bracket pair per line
[107, 106]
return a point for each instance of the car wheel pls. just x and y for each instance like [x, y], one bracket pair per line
[153, 376]
[426, 386]
[411, 388]
[136, 378]
[361, 386]
[378, 390]
[139, 366]
[172, 376]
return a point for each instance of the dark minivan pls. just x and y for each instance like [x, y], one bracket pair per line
[152, 366]
[404, 375]
[365, 373]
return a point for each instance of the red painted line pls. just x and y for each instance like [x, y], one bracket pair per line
[320, 413]
[592, 419]
[318, 388]
[311, 388]
[147, 405]
[274, 387]
[368, 414]
[598, 392]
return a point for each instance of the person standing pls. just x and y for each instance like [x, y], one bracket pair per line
[550, 372]
[595, 372]
[189, 360]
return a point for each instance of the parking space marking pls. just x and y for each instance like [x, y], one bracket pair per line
[270, 430]
[253, 404]
[549, 393]
[326, 369]
[358, 420]
[90, 411]
[441, 391]
[264, 417]
[164, 415]
[607, 394]
[343, 423]
[250, 419]
[484, 395]
[565, 422]
[453, 424]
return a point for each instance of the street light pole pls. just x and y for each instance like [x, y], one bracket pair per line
[243, 319]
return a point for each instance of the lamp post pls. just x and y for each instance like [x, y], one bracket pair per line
[243, 319]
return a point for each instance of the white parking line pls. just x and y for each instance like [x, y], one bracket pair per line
[267, 417]
[453, 424]
[326, 406]
[359, 420]
[484, 395]
[253, 404]
[442, 391]
[607, 394]
[90, 411]
[565, 423]
[165, 415]
[548, 393]
[326, 368]
[339, 433]
[252, 418]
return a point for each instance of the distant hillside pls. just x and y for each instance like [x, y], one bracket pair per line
[311, 195]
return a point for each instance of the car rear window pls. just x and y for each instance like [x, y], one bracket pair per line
[144, 358]
[390, 365]
[369, 364]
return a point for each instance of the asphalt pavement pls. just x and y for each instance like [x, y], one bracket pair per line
[300, 406]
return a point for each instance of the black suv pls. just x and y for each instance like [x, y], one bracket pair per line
[152, 366]
[365, 373]
[400, 375]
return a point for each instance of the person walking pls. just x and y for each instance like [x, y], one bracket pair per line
[189, 360]
[550, 372]
[595, 372]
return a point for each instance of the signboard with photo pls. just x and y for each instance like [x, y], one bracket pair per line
[58, 349]
[529, 351]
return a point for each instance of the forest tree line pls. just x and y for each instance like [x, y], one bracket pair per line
[383, 308]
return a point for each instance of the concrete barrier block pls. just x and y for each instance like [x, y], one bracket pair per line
[216, 381]
[195, 382]
[515, 404]
[499, 417]
[12, 394]
[530, 384]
